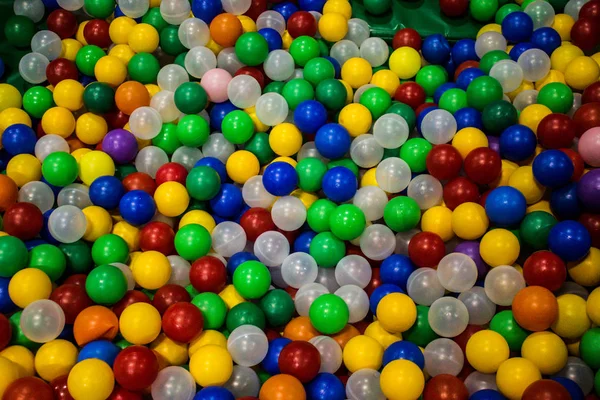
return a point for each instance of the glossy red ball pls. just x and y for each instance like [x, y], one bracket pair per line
[454, 8]
[445, 387]
[131, 297]
[426, 249]
[59, 387]
[407, 37]
[375, 281]
[257, 7]
[168, 295]
[116, 119]
[424, 107]
[460, 190]
[546, 269]
[556, 131]
[5, 331]
[208, 274]
[483, 165]
[301, 23]
[410, 93]
[591, 93]
[120, 393]
[546, 389]
[62, 22]
[585, 33]
[135, 368]
[300, 359]
[73, 299]
[96, 33]
[170, 172]
[591, 9]
[157, 236]
[140, 181]
[61, 69]
[578, 163]
[444, 162]
[587, 117]
[182, 322]
[256, 221]
[77, 279]
[23, 220]
[28, 388]
[592, 224]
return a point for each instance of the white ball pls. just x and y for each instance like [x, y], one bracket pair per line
[424, 287]
[271, 248]
[71, 5]
[37, 193]
[371, 200]
[48, 144]
[75, 194]
[279, 65]
[228, 60]
[47, 43]
[330, 351]
[357, 301]
[299, 269]
[255, 194]
[438, 127]
[199, 60]
[457, 272]
[134, 8]
[477, 381]
[150, 159]
[187, 156]
[306, 295]
[42, 321]
[353, 270]
[228, 238]
[377, 242]
[525, 98]
[573, 7]
[32, 9]
[426, 190]
[443, 356]
[236, 7]
[481, 308]
[180, 271]
[358, 31]
[364, 385]
[391, 131]
[243, 382]
[193, 32]
[247, 345]
[541, 12]
[271, 19]
[164, 103]
[448, 317]
[489, 41]
[393, 175]
[67, 224]
[145, 123]
[375, 50]
[171, 76]
[173, 383]
[175, 12]
[508, 73]
[535, 64]
[503, 283]
[243, 91]
[271, 109]
[32, 67]
[365, 151]
[344, 50]
[288, 213]
[219, 147]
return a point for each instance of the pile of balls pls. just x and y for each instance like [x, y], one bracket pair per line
[252, 199]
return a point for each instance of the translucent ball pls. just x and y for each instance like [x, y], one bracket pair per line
[127, 273]
[228, 60]
[489, 41]
[145, 123]
[393, 174]
[535, 64]
[180, 271]
[309, 150]
[326, 277]
[424, 287]
[502, 284]
[365, 151]
[134, 8]
[32, 68]
[193, 32]
[448, 317]
[525, 98]
[299, 269]
[199, 60]
[359, 92]
[306, 295]
[171, 76]
[438, 126]
[443, 356]
[150, 159]
[75, 194]
[357, 301]
[330, 351]
[371, 200]
[271, 19]
[218, 147]
[364, 384]
[42, 321]
[173, 383]
[541, 12]
[228, 238]
[187, 156]
[279, 65]
[377, 242]
[67, 224]
[358, 31]
[175, 12]
[353, 270]
[508, 73]
[243, 91]
[477, 381]
[288, 213]
[297, 74]
[426, 190]
[164, 103]
[573, 7]
[243, 382]
[71, 5]
[391, 131]
[49, 144]
[481, 308]
[46, 43]
[375, 50]
[271, 248]
[576, 104]
[236, 7]
[271, 108]
[457, 272]
[344, 50]
[248, 345]
[32, 9]
[403, 239]
[579, 372]
[255, 194]
[38, 194]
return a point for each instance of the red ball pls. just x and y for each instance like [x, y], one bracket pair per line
[407, 37]
[254, 72]
[444, 162]
[77, 279]
[28, 388]
[592, 224]
[465, 65]
[256, 221]
[257, 7]
[578, 163]
[375, 281]
[168, 295]
[556, 131]
[116, 119]
[62, 22]
[483, 165]
[171, 172]
[546, 389]
[591, 93]
[590, 9]
[23, 220]
[96, 33]
[300, 359]
[208, 274]
[462, 339]
[454, 8]
[460, 190]
[587, 117]
[302, 23]
[119, 393]
[182, 322]
[73, 299]
[157, 236]
[131, 297]
[5, 331]
[410, 93]
[59, 387]
[426, 249]
[140, 181]
[61, 69]
[585, 33]
[135, 368]
[445, 387]
[546, 269]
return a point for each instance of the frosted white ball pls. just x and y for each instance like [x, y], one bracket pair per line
[541, 12]
[236, 7]
[42, 321]
[330, 351]
[243, 91]
[371, 200]
[271, 248]
[199, 60]
[502, 284]
[71, 5]
[457, 272]
[579, 372]
[357, 301]
[173, 383]
[279, 65]
[271, 19]
[477, 381]
[443, 356]
[375, 50]
[134, 8]
[489, 41]
[228, 60]
[145, 123]
[326, 277]
[37, 193]
[535, 64]
[481, 308]
[353, 270]
[393, 175]
[219, 147]
[175, 12]
[171, 76]
[438, 127]
[298, 73]
[309, 150]
[299, 269]
[187, 156]
[424, 287]
[576, 104]
[243, 382]
[180, 271]
[288, 213]
[403, 239]
[271, 108]
[67, 224]
[344, 50]
[75, 194]
[228, 238]
[358, 31]
[448, 317]
[306, 295]
[127, 273]
[150, 159]
[508, 73]
[426, 190]
[391, 131]
[47, 43]
[193, 32]
[377, 242]
[525, 98]
[247, 345]
[48, 144]
[32, 9]
[573, 7]
[255, 194]
[364, 385]
[365, 151]
[164, 103]
[32, 67]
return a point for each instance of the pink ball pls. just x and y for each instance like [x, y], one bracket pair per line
[589, 147]
[215, 83]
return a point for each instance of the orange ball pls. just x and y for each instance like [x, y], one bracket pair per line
[93, 323]
[9, 192]
[282, 387]
[535, 308]
[344, 336]
[225, 29]
[131, 95]
[300, 329]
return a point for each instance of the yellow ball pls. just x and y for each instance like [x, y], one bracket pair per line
[338, 6]
[383, 337]
[21, 356]
[543, 205]
[231, 297]
[129, 233]
[24, 168]
[525, 85]
[546, 350]
[140, 323]
[91, 379]
[120, 29]
[285, 139]
[593, 306]
[111, 70]
[362, 352]
[489, 28]
[349, 91]
[248, 24]
[151, 270]
[586, 272]
[172, 199]
[242, 165]
[333, 26]
[216, 48]
[199, 217]
[9, 372]
[9, 97]
[258, 125]
[69, 94]
[79, 35]
[356, 118]
[562, 56]
[207, 338]
[11, 116]
[572, 321]
[552, 76]
[99, 223]
[29, 285]
[357, 72]
[55, 358]
[143, 38]
[514, 375]
[469, 221]
[468, 139]
[123, 52]
[438, 220]
[152, 89]
[77, 154]
[582, 72]
[91, 128]
[532, 115]
[402, 380]
[563, 24]
[508, 168]
[396, 312]
[522, 179]
[486, 350]
[368, 178]
[596, 57]
[499, 247]
[94, 165]
[387, 80]
[212, 366]
[306, 198]
[70, 47]
[58, 121]
[169, 352]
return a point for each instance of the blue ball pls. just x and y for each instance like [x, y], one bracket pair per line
[311, 5]
[137, 207]
[67, 333]
[569, 240]
[214, 393]
[546, 39]
[1, 67]
[6, 304]
[487, 394]
[215, 164]
[564, 202]
[339, 184]
[517, 143]
[101, 349]
[380, 292]
[4, 159]
[553, 168]
[396, 269]
[302, 242]
[464, 50]
[50, 4]
[467, 76]
[517, 27]
[325, 386]
[218, 112]
[207, 10]
[33, 243]
[309, 116]
[336, 66]
[280, 178]
[238, 259]
[450, 66]
[435, 49]
[228, 202]
[404, 350]
[505, 206]
[437, 95]
[468, 117]
[86, 80]
[271, 361]
[45, 233]
[19, 139]
[286, 8]
[519, 49]
[332, 141]
[106, 192]
[571, 386]
[273, 38]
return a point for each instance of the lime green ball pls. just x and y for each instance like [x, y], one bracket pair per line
[203, 183]
[167, 139]
[310, 174]
[431, 77]
[87, 57]
[193, 130]
[401, 214]
[37, 100]
[259, 146]
[251, 49]
[106, 285]
[192, 242]
[504, 11]
[298, 90]
[101, 9]
[483, 91]
[213, 308]
[251, 279]
[318, 69]
[110, 248]
[347, 222]
[453, 100]
[483, 10]
[329, 314]
[377, 101]
[237, 127]
[327, 250]
[60, 169]
[318, 214]
[415, 152]
[303, 49]
[49, 259]
[154, 17]
[144, 68]
[490, 58]
[557, 96]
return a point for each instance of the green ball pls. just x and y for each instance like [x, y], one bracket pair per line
[406, 112]
[78, 255]
[49, 259]
[169, 40]
[303, 49]
[190, 98]
[310, 174]
[323, 48]
[483, 10]
[332, 94]
[144, 68]
[453, 100]
[318, 69]
[327, 250]
[180, 60]
[557, 96]
[274, 87]
[110, 248]
[101, 9]
[99, 98]
[318, 215]
[347, 222]
[192, 291]
[193, 130]
[192, 242]
[252, 279]
[499, 115]
[278, 307]
[123, 170]
[505, 324]
[378, 7]
[296, 91]
[167, 139]
[483, 91]
[154, 17]
[106, 284]
[213, 309]
[346, 163]
[18, 338]
[87, 57]
[401, 214]
[420, 333]
[259, 146]
[535, 229]
[245, 313]
[60, 169]
[504, 11]
[490, 58]
[251, 48]
[13, 256]
[203, 183]
[19, 31]
[37, 100]
[237, 127]
[430, 77]
[329, 314]
[377, 101]
[414, 152]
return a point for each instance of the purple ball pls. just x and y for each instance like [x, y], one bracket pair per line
[120, 145]
[588, 190]
[494, 143]
[472, 250]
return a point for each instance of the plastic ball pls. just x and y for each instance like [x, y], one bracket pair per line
[502, 284]
[569, 240]
[135, 368]
[247, 345]
[443, 356]
[91, 379]
[173, 382]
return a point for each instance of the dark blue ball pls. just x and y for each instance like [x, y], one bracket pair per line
[437, 95]
[336, 66]
[519, 49]
[86, 80]
[206, 10]
[505, 206]
[302, 242]
[339, 184]
[467, 76]
[517, 27]
[464, 50]
[571, 386]
[311, 5]
[396, 269]
[546, 39]
[273, 38]
[45, 233]
[286, 8]
[332, 141]
[215, 164]
[564, 202]
[517, 143]
[228, 202]
[271, 361]
[487, 394]
[449, 66]
[553, 168]
[380, 292]
[218, 113]
[238, 259]
[435, 49]
[137, 207]
[214, 393]
[1, 67]
[280, 178]
[50, 4]
[6, 304]
[19, 139]
[309, 116]
[103, 350]
[106, 192]
[468, 117]
[569, 240]
[404, 350]
[325, 386]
